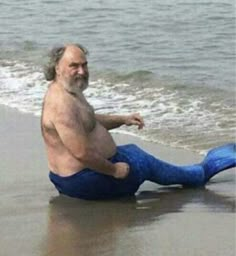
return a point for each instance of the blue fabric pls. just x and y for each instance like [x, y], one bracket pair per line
[88, 184]
[219, 159]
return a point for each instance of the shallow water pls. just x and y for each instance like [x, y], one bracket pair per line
[36, 221]
[151, 224]
[172, 61]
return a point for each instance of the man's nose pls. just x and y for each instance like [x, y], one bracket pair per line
[81, 70]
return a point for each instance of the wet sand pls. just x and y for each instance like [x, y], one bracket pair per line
[168, 221]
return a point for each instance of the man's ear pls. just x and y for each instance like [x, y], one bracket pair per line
[57, 70]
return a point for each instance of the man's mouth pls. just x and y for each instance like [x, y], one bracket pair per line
[83, 78]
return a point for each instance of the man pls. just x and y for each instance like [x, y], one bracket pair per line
[83, 158]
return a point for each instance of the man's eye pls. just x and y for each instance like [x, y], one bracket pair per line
[73, 65]
[84, 65]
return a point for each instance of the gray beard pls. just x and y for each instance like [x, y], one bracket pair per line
[75, 89]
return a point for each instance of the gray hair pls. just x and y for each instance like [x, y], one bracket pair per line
[55, 56]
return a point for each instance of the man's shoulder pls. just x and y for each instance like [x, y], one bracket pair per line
[59, 101]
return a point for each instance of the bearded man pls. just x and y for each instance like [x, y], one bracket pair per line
[84, 160]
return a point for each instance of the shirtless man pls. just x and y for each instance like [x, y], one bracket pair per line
[76, 137]
[83, 158]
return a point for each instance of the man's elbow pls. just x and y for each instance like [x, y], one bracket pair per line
[84, 155]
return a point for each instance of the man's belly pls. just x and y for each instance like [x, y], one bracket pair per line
[102, 141]
[66, 164]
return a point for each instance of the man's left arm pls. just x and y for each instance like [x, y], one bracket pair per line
[115, 121]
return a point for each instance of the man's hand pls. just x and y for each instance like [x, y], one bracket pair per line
[122, 170]
[134, 119]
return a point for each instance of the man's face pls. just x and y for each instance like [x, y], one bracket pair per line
[72, 69]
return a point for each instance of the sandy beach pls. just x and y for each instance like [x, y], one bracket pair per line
[36, 221]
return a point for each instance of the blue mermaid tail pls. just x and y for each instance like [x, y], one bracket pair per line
[219, 159]
[89, 184]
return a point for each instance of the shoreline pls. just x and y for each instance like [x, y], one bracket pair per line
[40, 222]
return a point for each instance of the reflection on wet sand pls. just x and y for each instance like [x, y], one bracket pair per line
[77, 227]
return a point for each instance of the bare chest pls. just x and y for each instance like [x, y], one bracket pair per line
[87, 116]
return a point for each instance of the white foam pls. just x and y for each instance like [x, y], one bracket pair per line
[170, 117]
[21, 87]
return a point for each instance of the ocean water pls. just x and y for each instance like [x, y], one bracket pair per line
[173, 61]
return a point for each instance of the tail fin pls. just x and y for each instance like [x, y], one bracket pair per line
[219, 159]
